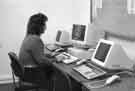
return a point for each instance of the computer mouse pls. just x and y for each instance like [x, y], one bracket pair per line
[112, 79]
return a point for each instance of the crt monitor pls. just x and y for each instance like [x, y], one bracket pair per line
[84, 34]
[78, 32]
[111, 55]
[62, 37]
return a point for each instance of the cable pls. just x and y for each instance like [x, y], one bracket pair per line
[131, 73]
[97, 84]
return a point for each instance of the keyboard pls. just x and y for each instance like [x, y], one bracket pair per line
[89, 71]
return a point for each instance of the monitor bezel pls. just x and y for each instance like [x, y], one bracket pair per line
[100, 63]
[85, 36]
[57, 36]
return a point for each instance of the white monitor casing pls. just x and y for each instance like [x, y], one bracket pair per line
[116, 57]
[62, 37]
[91, 36]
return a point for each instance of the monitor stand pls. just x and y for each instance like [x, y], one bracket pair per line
[80, 53]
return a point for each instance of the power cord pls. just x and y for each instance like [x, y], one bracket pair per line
[128, 72]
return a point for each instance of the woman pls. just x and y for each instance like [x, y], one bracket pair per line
[32, 48]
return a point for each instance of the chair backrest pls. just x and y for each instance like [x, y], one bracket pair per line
[17, 68]
[62, 81]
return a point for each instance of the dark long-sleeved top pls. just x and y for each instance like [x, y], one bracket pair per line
[32, 51]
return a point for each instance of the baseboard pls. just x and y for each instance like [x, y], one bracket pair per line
[6, 79]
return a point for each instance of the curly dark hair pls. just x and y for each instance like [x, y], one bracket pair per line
[36, 24]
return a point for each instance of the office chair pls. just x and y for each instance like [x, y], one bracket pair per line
[61, 81]
[18, 70]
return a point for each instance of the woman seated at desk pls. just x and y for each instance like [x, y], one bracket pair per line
[32, 48]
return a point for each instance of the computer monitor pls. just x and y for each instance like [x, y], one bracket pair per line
[78, 32]
[85, 35]
[111, 55]
[62, 37]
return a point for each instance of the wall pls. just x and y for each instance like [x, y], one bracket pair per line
[14, 16]
[119, 25]
[81, 11]
[114, 18]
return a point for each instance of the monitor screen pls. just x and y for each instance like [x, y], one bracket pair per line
[102, 51]
[78, 32]
[58, 36]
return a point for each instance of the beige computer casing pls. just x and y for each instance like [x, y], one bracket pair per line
[91, 37]
[116, 57]
[63, 37]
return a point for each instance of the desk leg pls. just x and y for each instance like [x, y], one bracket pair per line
[75, 85]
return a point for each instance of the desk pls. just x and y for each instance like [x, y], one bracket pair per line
[127, 83]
